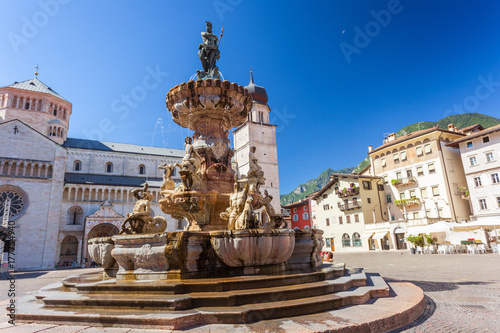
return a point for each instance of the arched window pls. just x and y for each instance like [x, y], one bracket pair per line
[142, 169]
[77, 166]
[356, 239]
[55, 112]
[295, 217]
[109, 167]
[27, 106]
[346, 240]
[75, 215]
[305, 215]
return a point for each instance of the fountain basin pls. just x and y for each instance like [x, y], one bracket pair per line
[141, 257]
[226, 104]
[307, 251]
[100, 250]
[253, 247]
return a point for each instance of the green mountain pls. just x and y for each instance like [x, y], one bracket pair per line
[311, 186]
[362, 165]
[459, 120]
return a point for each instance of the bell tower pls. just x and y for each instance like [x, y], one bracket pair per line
[38, 105]
[259, 133]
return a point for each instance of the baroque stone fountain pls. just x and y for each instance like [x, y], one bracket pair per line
[226, 266]
[222, 237]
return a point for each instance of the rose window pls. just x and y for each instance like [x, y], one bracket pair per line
[18, 202]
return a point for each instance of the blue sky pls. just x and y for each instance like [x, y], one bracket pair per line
[339, 74]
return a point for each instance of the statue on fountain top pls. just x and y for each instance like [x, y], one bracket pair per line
[209, 54]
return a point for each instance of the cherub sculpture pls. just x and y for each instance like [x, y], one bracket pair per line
[273, 220]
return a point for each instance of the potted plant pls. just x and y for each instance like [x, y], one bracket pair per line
[415, 241]
[463, 191]
[430, 240]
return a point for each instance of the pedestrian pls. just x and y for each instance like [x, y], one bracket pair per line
[86, 262]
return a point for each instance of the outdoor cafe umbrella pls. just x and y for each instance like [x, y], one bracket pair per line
[440, 226]
[488, 224]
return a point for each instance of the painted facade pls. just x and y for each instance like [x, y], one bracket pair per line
[345, 206]
[300, 214]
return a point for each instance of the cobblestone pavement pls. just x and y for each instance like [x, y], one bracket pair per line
[462, 291]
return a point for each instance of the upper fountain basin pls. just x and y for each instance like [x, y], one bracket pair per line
[194, 103]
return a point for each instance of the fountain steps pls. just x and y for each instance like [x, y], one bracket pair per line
[88, 284]
[229, 307]
[354, 278]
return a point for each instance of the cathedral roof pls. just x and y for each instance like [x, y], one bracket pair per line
[115, 180]
[121, 147]
[35, 85]
[258, 93]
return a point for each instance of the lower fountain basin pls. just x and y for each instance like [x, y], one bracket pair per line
[253, 247]
[100, 249]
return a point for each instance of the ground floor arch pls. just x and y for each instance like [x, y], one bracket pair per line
[69, 251]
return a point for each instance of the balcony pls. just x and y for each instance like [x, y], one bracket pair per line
[400, 182]
[408, 203]
[347, 192]
[349, 206]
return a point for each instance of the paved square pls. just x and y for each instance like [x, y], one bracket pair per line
[462, 291]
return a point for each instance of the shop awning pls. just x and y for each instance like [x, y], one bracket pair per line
[380, 234]
[367, 234]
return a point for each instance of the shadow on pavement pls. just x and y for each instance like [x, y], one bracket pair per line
[438, 286]
[26, 275]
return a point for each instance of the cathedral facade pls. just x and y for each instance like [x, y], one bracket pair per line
[64, 191]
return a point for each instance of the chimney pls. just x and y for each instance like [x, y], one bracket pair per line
[370, 148]
[451, 127]
[391, 137]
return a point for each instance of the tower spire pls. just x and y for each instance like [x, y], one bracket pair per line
[36, 71]
[251, 76]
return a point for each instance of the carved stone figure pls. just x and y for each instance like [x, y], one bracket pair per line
[254, 168]
[273, 220]
[242, 203]
[255, 174]
[168, 184]
[236, 205]
[209, 53]
[140, 220]
[246, 219]
[189, 167]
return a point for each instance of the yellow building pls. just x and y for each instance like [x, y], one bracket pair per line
[343, 209]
